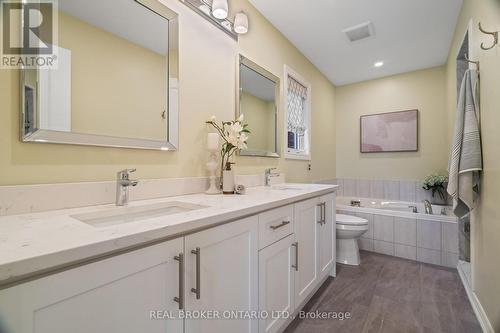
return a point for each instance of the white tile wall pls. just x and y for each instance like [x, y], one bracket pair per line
[429, 256]
[405, 231]
[405, 251]
[449, 259]
[426, 241]
[449, 237]
[391, 189]
[429, 235]
[369, 217]
[350, 187]
[376, 189]
[407, 191]
[383, 228]
[363, 188]
[383, 247]
[365, 244]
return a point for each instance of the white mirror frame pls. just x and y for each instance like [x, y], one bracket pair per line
[170, 143]
[242, 60]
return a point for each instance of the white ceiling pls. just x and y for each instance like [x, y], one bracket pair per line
[409, 34]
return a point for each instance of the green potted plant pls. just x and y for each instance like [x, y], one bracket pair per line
[437, 184]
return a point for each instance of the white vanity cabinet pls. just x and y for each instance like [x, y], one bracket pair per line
[306, 247]
[111, 295]
[326, 236]
[276, 283]
[222, 275]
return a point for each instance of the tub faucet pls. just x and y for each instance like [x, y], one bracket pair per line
[123, 182]
[428, 207]
[270, 174]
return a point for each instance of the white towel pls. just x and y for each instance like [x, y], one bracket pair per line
[466, 158]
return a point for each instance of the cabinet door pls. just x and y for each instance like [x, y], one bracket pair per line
[306, 224]
[115, 295]
[276, 283]
[326, 236]
[226, 267]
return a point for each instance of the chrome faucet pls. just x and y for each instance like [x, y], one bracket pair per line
[123, 182]
[270, 174]
[428, 207]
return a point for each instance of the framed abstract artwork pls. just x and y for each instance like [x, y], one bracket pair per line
[389, 132]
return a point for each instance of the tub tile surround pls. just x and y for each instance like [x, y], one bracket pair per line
[433, 242]
[403, 190]
[23, 199]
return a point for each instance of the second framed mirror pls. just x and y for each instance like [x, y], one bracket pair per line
[257, 99]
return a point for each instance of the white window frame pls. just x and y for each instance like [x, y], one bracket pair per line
[293, 153]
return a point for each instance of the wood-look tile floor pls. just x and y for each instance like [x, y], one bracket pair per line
[387, 294]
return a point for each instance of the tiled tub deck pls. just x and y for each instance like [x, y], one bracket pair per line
[426, 238]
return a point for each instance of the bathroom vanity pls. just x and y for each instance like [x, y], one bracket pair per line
[132, 269]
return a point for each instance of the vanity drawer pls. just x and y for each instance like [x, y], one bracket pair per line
[275, 225]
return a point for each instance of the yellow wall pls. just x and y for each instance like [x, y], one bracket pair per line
[207, 86]
[485, 222]
[259, 115]
[118, 88]
[423, 90]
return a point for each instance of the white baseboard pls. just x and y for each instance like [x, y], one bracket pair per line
[476, 305]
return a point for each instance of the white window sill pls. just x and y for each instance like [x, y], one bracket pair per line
[297, 156]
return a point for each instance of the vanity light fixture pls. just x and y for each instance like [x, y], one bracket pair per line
[241, 23]
[219, 9]
[217, 13]
[378, 64]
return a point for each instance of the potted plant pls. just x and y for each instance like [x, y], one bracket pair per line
[235, 136]
[437, 184]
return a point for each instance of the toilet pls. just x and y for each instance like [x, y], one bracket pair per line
[349, 230]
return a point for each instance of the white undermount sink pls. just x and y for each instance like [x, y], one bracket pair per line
[286, 187]
[121, 215]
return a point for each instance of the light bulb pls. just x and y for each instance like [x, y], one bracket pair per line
[219, 9]
[241, 23]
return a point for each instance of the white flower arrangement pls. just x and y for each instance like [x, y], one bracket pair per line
[435, 183]
[235, 136]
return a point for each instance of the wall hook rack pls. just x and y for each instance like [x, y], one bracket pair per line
[493, 34]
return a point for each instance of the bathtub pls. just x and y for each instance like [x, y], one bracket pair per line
[395, 230]
[397, 208]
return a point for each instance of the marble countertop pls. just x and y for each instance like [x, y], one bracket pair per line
[38, 243]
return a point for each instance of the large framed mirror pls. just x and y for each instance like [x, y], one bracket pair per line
[257, 99]
[116, 82]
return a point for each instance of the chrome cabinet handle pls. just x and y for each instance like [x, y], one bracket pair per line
[282, 224]
[196, 290]
[320, 213]
[180, 299]
[324, 212]
[296, 266]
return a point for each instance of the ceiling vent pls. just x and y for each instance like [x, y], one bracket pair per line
[359, 32]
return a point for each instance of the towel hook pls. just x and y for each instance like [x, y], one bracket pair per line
[493, 34]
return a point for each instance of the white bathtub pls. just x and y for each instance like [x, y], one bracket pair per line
[397, 208]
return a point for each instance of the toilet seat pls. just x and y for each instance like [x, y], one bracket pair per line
[349, 220]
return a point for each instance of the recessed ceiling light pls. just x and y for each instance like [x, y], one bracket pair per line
[378, 64]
